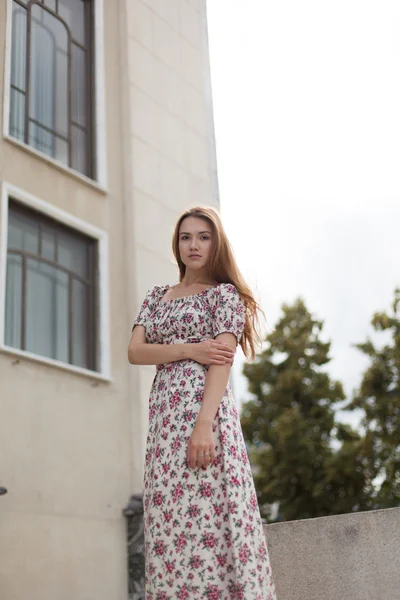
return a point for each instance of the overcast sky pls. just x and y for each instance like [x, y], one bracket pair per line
[307, 119]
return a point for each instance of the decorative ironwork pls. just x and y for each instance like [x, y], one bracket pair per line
[135, 547]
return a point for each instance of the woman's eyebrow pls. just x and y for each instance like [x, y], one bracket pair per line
[187, 233]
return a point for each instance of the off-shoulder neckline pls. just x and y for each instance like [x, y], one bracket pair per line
[167, 287]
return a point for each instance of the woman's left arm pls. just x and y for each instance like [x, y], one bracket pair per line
[215, 385]
[228, 322]
[202, 440]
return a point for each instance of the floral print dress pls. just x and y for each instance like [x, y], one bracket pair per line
[203, 532]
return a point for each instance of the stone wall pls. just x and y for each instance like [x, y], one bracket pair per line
[345, 557]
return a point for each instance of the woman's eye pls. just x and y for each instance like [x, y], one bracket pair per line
[206, 238]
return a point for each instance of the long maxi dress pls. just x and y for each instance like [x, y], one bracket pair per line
[203, 531]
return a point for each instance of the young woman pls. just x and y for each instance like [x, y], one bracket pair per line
[203, 530]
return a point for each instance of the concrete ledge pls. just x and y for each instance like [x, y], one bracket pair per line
[345, 557]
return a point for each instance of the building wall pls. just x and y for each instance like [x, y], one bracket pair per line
[72, 444]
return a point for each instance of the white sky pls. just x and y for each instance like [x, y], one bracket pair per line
[307, 118]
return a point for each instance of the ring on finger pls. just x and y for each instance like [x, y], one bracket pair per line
[204, 457]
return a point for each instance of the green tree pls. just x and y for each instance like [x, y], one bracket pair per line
[290, 427]
[379, 397]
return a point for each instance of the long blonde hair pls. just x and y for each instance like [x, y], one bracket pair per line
[223, 268]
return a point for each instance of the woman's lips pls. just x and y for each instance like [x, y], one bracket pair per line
[194, 256]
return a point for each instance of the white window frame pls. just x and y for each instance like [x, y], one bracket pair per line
[99, 122]
[10, 192]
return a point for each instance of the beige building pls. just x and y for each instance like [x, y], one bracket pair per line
[106, 136]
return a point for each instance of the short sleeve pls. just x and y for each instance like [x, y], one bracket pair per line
[147, 307]
[229, 311]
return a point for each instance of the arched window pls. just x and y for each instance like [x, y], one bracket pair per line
[51, 79]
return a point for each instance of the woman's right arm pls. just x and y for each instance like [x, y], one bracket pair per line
[209, 352]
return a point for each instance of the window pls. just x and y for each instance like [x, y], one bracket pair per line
[50, 305]
[51, 79]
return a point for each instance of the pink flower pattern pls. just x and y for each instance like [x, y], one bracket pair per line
[203, 531]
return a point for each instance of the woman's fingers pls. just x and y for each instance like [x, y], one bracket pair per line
[225, 351]
[209, 458]
[222, 361]
[220, 353]
[220, 345]
[225, 357]
[199, 458]
[224, 347]
[228, 353]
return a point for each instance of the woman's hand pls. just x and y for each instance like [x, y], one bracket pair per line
[201, 452]
[211, 352]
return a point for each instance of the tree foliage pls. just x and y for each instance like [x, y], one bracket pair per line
[290, 427]
[379, 397]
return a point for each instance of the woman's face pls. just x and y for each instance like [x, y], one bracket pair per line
[195, 242]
